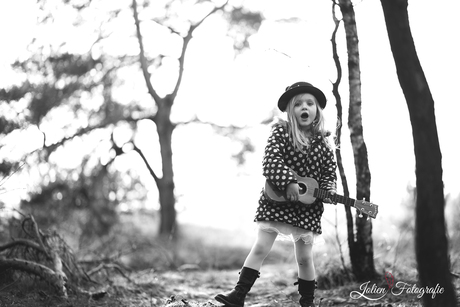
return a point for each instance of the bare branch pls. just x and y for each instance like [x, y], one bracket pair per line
[187, 39]
[217, 8]
[216, 127]
[22, 242]
[86, 130]
[108, 259]
[80, 132]
[151, 171]
[37, 233]
[169, 28]
[4, 179]
[110, 266]
[142, 58]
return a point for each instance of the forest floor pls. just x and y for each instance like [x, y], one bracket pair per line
[196, 288]
[204, 262]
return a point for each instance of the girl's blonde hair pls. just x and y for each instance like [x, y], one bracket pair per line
[298, 138]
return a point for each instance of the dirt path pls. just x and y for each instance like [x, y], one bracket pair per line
[269, 290]
[197, 288]
[274, 288]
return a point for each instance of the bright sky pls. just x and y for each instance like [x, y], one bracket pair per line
[243, 92]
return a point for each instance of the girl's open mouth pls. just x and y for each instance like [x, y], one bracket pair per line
[304, 115]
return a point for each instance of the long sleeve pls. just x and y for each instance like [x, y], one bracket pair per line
[274, 166]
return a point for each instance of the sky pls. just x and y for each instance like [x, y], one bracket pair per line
[387, 129]
[221, 89]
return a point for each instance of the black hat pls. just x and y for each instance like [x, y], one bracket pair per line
[300, 88]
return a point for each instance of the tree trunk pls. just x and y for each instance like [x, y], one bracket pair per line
[361, 247]
[164, 125]
[430, 231]
[166, 183]
[339, 107]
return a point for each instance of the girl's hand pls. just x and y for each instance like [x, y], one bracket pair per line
[328, 200]
[292, 192]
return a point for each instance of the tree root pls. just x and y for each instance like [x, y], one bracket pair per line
[56, 279]
[47, 256]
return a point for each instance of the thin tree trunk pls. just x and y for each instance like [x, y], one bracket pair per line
[338, 104]
[361, 250]
[430, 231]
[166, 184]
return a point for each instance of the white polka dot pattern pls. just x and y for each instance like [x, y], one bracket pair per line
[280, 162]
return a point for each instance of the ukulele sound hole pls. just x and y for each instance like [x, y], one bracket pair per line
[302, 188]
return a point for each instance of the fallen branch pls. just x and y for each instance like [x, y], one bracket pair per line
[38, 234]
[57, 280]
[22, 242]
[41, 254]
[47, 256]
[109, 266]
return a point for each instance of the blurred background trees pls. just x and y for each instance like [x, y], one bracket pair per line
[76, 99]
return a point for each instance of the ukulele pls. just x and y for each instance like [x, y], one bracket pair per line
[309, 192]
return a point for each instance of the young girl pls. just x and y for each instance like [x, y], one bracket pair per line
[298, 145]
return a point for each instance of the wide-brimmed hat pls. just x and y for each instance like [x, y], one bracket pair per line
[301, 88]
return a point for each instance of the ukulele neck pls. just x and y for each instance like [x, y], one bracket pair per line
[322, 194]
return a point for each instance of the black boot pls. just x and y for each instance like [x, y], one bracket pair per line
[235, 298]
[307, 292]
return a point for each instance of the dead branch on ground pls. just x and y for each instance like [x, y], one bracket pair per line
[46, 255]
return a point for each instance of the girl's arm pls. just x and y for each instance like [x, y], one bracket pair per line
[274, 168]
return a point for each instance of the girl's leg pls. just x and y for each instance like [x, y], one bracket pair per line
[250, 271]
[260, 249]
[304, 258]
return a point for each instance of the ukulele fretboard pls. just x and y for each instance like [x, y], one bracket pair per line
[335, 197]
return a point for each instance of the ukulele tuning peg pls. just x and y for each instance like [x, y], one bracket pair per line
[360, 215]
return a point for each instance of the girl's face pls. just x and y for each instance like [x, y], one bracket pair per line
[305, 109]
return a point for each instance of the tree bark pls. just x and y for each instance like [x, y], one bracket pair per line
[339, 107]
[361, 247]
[166, 184]
[430, 231]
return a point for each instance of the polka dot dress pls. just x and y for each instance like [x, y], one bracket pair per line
[279, 162]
